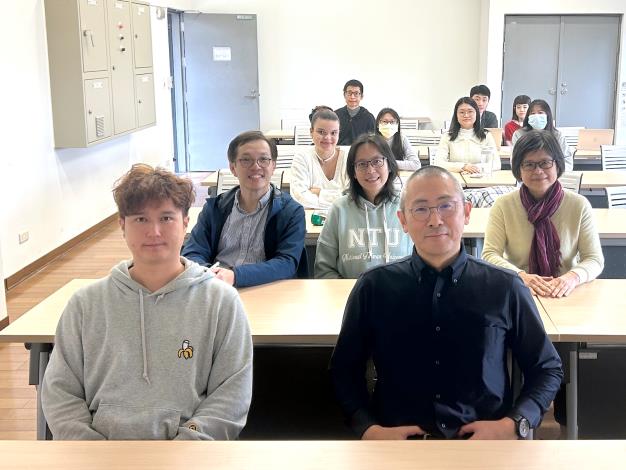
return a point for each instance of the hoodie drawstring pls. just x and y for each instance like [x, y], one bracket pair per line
[143, 339]
[385, 232]
[367, 231]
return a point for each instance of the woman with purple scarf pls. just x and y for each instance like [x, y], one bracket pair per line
[543, 232]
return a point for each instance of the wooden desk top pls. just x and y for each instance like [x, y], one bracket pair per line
[497, 178]
[279, 134]
[593, 312]
[314, 455]
[602, 179]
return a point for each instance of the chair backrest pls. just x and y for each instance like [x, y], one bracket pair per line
[303, 135]
[291, 123]
[613, 157]
[432, 154]
[409, 123]
[285, 156]
[617, 197]
[571, 180]
[497, 135]
[571, 135]
[592, 139]
[227, 181]
[422, 137]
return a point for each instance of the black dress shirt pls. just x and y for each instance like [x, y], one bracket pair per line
[439, 343]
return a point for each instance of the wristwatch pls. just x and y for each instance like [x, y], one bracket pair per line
[522, 426]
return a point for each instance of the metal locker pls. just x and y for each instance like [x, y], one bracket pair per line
[98, 106]
[144, 87]
[93, 35]
[122, 74]
[142, 37]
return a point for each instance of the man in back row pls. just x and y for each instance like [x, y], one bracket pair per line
[354, 119]
[159, 349]
[481, 95]
[437, 326]
[254, 233]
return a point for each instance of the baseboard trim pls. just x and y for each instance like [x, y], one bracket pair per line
[4, 322]
[40, 263]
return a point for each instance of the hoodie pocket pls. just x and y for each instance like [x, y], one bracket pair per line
[122, 422]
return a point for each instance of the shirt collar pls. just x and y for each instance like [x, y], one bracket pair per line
[262, 202]
[455, 269]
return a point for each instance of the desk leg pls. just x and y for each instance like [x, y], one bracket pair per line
[571, 392]
[39, 356]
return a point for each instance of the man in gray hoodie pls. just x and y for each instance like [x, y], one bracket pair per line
[160, 348]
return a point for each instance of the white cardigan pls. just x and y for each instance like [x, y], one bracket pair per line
[466, 148]
[307, 173]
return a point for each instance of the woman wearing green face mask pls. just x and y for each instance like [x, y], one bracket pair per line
[539, 117]
[388, 125]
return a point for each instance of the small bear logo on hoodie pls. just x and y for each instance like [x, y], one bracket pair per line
[186, 350]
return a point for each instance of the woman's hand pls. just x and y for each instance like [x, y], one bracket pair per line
[563, 285]
[315, 191]
[538, 285]
[469, 168]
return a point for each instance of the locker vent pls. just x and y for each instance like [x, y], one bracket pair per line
[99, 126]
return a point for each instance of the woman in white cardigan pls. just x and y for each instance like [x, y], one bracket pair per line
[464, 145]
[318, 173]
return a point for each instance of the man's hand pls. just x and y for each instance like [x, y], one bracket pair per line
[380, 433]
[562, 286]
[537, 284]
[501, 429]
[226, 275]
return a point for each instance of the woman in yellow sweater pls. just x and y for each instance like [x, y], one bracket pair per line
[543, 232]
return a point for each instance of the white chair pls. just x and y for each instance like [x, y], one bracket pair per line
[571, 135]
[227, 181]
[291, 123]
[303, 135]
[432, 154]
[285, 156]
[424, 138]
[409, 123]
[571, 180]
[613, 157]
[617, 197]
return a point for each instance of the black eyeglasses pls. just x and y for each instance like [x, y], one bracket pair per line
[263, 162]
[375, 163]
[531, 166]
[445, 210]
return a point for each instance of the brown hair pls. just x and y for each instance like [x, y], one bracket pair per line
[144, 184]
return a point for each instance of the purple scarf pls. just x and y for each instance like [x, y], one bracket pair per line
[545, 250]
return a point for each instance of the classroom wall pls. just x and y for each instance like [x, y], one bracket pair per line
[497, 9]
[417, 57]
[57, 194]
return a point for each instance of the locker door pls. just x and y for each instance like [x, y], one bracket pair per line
[98, 105]
[122, 75]
[145, 99]
[142, 39]
[93, 35]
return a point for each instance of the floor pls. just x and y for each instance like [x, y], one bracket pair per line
[92, 258]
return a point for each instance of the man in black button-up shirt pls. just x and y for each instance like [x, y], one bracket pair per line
[438, 326]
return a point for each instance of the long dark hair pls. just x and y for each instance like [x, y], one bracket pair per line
[545, 107]
[388, 191]
[455, 125]
[520, 99]
[396, 143]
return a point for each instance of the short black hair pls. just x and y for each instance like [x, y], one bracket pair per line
[353, 82]
[247, 137]
[532, 141]
[480, 90]
[388, 191]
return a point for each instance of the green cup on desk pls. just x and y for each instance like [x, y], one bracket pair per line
[318, 218]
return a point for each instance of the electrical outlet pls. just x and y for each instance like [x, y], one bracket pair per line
[23, 237]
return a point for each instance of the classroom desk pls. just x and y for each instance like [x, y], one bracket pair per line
[591, 179]
[293, 312]
[314, 455]
[592, 313]
[280, 136]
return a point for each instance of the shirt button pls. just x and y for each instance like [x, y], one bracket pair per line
[438, 294]
[437, 328]
[436, 362]
[437, 396]
[443, 425]
[454, 281]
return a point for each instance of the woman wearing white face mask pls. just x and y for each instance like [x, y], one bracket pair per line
[539, 117]
[388, 125]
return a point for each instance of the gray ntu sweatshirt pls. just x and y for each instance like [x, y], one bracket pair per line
[131, 364]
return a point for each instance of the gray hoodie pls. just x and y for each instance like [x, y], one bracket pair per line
[130, 364]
